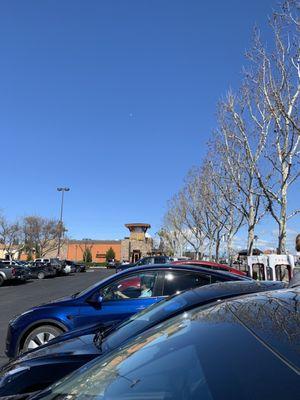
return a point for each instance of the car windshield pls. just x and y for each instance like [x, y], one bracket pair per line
[144, 319]
[200, 354]
[94, 286]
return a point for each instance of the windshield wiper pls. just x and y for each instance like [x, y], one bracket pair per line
[98, 339]
[102, 333]
[75, 295]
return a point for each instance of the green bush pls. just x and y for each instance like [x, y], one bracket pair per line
[110, 254]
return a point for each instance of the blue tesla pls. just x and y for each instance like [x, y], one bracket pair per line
[107, 302]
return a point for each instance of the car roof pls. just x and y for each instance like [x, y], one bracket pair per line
[183, 267]
[229, 289]
[201, 262]
[156, 256]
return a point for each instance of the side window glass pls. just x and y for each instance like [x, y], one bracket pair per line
[132, 287]
[145, 261]
[176, 281]
[160, 260]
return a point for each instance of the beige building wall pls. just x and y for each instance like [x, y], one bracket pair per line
[138, 245]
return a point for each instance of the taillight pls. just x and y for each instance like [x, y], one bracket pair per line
[14, 271]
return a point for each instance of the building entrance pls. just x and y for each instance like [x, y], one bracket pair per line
[136, 255]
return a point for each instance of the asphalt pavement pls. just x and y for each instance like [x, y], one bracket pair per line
[17, 298]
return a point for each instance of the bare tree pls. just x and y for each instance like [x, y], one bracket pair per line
[275, 81]
[41, 235]
[180, 216]
[255, 150]
[11, 237]
[222, 221]
[239, 144]
[200, 213]
[171, 240]
[228, 196]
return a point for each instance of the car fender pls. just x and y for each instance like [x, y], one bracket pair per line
[36, 324]
[3, 275]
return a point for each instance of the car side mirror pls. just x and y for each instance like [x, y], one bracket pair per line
[95, 300]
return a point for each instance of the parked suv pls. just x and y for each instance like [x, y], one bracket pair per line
[54, 263]
[6, 273]
[9, 272]
[41, 270]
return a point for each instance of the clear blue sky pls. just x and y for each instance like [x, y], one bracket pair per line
[115, 99]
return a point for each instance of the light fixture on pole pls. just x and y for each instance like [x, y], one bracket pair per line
[62, 190]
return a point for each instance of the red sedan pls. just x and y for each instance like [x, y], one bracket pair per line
[210, 264]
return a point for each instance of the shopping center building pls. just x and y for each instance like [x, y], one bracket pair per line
[138, 244]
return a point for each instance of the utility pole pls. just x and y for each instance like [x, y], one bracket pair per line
[62, 190]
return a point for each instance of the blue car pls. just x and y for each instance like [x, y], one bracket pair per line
[107, 302]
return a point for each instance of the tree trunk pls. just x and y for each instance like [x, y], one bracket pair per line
[218, 241]
[251, 225]
[281, 249]
[229, 247]
[210, 249]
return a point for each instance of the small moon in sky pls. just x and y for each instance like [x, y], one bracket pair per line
[130, 115]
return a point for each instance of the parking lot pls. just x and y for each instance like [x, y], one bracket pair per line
[15, 299]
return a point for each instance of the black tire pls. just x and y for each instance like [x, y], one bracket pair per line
[39, 336]
[1, 280]
[41, 275]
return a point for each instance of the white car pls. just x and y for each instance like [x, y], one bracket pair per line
[67, 269]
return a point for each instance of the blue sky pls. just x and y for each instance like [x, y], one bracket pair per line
[115, 99]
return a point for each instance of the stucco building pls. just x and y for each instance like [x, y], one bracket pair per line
[98, 248]
[138, 244]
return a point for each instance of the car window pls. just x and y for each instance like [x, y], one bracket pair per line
[160, 260]
[135, 286]
[145, 261]
[177, 281]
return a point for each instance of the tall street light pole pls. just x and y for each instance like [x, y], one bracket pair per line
[62, 190]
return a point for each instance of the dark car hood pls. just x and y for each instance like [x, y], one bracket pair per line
[76, 333]
[38, 369]
[80, 346]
